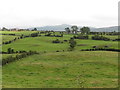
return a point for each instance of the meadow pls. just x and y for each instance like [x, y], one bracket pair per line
[62, 69]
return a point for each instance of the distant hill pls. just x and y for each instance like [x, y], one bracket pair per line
[105, 29]
[55, 28]
[63, 26]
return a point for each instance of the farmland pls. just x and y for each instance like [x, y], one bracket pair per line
[57, 67]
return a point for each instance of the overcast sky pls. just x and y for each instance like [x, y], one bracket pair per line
[34, 13]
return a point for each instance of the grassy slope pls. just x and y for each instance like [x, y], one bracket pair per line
[62, 69]
[45, 44]
[68, 69]
[18, 32]
[7, 55]
[7, 38]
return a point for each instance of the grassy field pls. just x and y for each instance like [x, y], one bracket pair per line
[18, 32]
[7, 38]
[7, 55]
[73, 69]
[69, 69]
[45, 44]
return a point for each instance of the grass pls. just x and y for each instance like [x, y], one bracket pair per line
[7, 38]
[18, 32]
[45, 44]
[67, 70]
[75, 69]
[7, 55]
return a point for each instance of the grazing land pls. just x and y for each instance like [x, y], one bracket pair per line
[57, 64]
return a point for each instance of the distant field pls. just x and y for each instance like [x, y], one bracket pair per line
[18, 32]
[56, 70]
[45, 44]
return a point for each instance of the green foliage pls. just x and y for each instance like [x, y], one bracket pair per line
[97, 37]
[10, 51]
[74, 29]
[80, 36]
[85, 30]
[67, 30]
[56, 41]
[35, 29]
[72, 43]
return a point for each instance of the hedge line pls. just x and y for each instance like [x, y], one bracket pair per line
[17, 57]
[101, 49]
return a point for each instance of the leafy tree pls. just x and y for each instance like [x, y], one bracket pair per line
[72, 43]
[85, 30]
[67, 30]
[35, 29]
[74, 29]
[10, 51]
[4, 29]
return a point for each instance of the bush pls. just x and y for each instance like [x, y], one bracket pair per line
[65, 40]
[81, 37]
[56, 41]
[18, 57]
[34, 34]
[97, 37]
[57, 51]
[116, 39]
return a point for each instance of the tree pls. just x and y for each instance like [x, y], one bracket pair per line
[74, 29]
[35, 29]
[67, 30]
[85, 30]
[72, 43]
[10, 50]
[4, 29]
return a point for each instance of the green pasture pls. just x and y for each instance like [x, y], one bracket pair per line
[43, 43]
[8, 55]
[75, 69]
[64, 69]
[7, 38]
[18, 32]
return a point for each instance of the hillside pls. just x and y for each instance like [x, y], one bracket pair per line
[63, 26]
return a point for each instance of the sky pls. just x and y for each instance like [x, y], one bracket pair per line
[35, 13]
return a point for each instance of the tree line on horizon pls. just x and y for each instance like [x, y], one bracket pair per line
[74, 30]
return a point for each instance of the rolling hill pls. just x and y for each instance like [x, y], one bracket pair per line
[63, 26]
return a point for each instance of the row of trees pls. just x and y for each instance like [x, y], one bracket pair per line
[74, 30]
[105, 33]
[21, 37]
[14, 29]
[80, 36]
[101, 49]
[52, 34]
[97, 37]
[12, 51]
[17, 57]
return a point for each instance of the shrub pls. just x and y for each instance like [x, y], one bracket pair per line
[80, 36]
[97, 37]
[57, 51]
[65, 40]
[56, 41]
